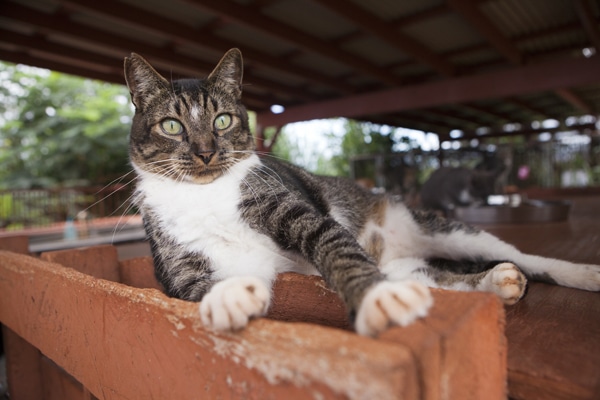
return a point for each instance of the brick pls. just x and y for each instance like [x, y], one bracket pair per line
[23, 366]
[57, 384]
[554, 354]
[122, 342]
[139, 272]
[98, 261]
[16, 244]
[460, 347]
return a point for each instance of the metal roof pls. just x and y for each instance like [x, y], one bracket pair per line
[431, 65]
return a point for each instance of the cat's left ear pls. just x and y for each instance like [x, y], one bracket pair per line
[229, 71]
[143, 81]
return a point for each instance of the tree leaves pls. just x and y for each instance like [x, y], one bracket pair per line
[57, 129]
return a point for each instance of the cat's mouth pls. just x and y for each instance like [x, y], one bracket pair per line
[205, 167]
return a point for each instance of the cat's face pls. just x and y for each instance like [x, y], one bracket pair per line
[188, 130]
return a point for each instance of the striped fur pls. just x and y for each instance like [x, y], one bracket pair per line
[223, 222]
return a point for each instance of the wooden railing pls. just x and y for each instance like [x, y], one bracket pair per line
[108, 333]
[41, 207]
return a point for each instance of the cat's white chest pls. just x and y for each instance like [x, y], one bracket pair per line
[206, 219]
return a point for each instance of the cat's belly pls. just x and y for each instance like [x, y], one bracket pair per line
[400, 237]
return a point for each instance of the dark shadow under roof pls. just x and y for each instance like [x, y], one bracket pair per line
[430, 65]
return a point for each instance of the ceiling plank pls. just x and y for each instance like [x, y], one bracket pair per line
[511, 81]
[96, 60]
[477, 109]
[420, 16]
[529, 108]
[20, 57]
[386, 32]
[67, 60]
[575, 100]
[509, 50]
[202, 37]
[121, 47]
[252, 18]
[586, 16]
[470, 11]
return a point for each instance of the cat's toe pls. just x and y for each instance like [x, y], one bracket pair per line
[231, 303]
[508, 282]
[392, 303]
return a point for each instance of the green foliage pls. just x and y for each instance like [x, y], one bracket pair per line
[361, 139]
[301, 152]
[60, 130]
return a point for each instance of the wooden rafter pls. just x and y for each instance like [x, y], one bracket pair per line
[508, 82]
[58, 23]
[529, 108]
[389, 34]
[574, 99]
[487, 112]
[523, 132]
[470, 11]
[250, 17]
[202, 37]
[586, 16]
[508, 49]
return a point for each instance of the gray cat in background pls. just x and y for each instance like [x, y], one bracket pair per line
[451, 187]
[223, 221]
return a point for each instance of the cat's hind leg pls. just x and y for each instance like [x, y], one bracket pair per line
[506, 280]
[500, 277]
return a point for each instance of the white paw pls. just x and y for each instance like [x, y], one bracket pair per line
[507, 281]
[392, 303]
[232, 302]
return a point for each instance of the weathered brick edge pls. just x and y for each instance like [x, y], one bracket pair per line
[126, 342]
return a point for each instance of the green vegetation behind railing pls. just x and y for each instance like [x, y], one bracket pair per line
[41, 207]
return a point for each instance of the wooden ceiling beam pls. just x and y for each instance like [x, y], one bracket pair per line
[575, 100]
[508, 49]
[203, 37]
[504, 118]
[92, 60]
[420, 16]
[529, 108]
[381, 29]
[404, 121]
[61, 59]
[470, 11]
[121, 47]
[586, 17]
[24, 57]
[511, 81]
[248, 16]
[523, 132]
[452, 119]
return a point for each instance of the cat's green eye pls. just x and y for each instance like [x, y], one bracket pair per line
[171, 126]
[223, 121]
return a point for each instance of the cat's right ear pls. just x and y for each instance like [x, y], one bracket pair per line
[143, 81]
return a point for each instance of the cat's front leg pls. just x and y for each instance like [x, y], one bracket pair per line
[232, 302]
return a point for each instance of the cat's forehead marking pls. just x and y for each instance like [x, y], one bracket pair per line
[196, 111]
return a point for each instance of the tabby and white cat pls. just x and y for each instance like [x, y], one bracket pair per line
[223, 222]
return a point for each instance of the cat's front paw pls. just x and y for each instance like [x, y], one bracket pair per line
[231, 303]
[508, 282]
[392, 303]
